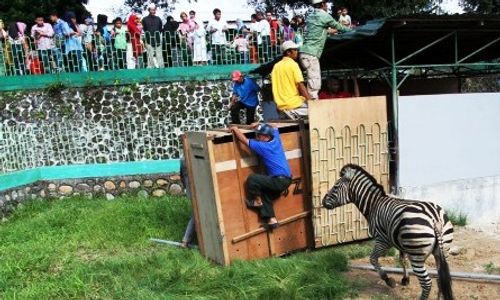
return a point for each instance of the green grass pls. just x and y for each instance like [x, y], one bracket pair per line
[96, 249]
[457, 218]
[490, 268]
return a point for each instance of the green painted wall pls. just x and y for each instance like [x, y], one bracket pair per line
[119, 77]
[24, 177]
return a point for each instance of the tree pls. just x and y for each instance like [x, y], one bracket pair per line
[481, 6]
[377, 8]
[366, 9]
[165, 5]
[26, 10]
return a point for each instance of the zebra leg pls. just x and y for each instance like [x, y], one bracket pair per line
[402, 260]
[379, 250]
[417, 263]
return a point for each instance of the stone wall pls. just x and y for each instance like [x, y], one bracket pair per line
[145, 186]
[63, 126]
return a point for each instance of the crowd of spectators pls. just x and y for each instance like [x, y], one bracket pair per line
[60, 43]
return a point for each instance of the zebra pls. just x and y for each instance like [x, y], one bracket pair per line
[415, 228]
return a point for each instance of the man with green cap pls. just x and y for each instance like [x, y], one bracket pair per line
[319, 25]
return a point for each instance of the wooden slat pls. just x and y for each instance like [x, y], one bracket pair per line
[261, 229]
[351, 130]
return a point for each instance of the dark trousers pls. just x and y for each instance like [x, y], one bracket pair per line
[265, 50]
[268, 189]
[235, 113]
[218, 54]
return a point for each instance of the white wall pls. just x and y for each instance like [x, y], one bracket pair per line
[450, 152]
[478, 198]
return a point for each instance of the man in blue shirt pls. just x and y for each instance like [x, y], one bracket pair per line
[261, 189]
[245, 96]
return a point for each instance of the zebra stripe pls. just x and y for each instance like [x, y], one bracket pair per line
[415, 228]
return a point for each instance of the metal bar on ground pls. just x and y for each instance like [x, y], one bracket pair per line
[433, 273]
[172, 243]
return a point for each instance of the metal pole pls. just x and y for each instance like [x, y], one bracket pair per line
[393, 127]
[433, 273]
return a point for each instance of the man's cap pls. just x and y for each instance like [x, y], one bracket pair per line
[151, 6]
[287, 45]
[236, 75]
[316, 1]
[265, 129]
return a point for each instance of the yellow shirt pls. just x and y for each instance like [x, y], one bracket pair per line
[285, 77]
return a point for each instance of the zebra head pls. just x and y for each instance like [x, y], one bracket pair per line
[339, 193]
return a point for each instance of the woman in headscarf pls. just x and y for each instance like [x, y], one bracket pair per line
[19, 46]
[135, 31]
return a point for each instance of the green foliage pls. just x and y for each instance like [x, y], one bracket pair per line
[481, 6]
[98, 249]
[54, 89]
[367, 9]
[26, 10]
[457, 218]
[490, 268]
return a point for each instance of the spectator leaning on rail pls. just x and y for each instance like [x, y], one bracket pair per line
[43, 35]
[261, 189]
[245, 96]
[153, 27]
[319, 25]
[289, 91]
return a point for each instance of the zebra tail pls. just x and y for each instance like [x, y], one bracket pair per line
[444, 269]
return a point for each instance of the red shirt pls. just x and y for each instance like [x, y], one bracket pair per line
[328, 95]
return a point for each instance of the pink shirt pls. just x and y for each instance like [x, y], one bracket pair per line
[45, 42]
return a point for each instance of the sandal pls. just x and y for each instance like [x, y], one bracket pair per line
[251, 204]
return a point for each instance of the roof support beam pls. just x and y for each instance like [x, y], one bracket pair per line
[479, 50]
[425, 47]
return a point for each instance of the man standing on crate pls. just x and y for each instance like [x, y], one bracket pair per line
[261, 189]
[319, 25]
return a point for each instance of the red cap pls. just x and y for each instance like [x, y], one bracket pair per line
[236, 75]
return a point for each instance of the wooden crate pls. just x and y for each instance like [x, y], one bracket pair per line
[342, 131]
[226, 229]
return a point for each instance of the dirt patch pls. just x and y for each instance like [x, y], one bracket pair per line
[476, 251]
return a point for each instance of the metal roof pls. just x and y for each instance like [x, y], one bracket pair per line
[457, 42]
[449, 45]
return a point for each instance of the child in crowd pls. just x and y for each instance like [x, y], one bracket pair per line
[242, 47]
[344, 18]
[119, 35]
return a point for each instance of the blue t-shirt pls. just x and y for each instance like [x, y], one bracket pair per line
[272, 154]
[247, 91]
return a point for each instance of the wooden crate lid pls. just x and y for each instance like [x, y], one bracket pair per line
[222, 133]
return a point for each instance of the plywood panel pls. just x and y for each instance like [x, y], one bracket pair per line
[342, 131]
[209, 223]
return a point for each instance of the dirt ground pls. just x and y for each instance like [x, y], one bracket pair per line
[476, 251]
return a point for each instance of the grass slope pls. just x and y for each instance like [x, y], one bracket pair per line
[96, 249]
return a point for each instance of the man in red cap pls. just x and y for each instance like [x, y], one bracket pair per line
[245, 96]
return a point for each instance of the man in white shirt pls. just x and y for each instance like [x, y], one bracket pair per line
[217, 28]
[265, 54]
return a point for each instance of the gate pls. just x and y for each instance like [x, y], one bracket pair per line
[342, 131]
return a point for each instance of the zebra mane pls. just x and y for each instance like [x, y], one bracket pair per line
[359, 169]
